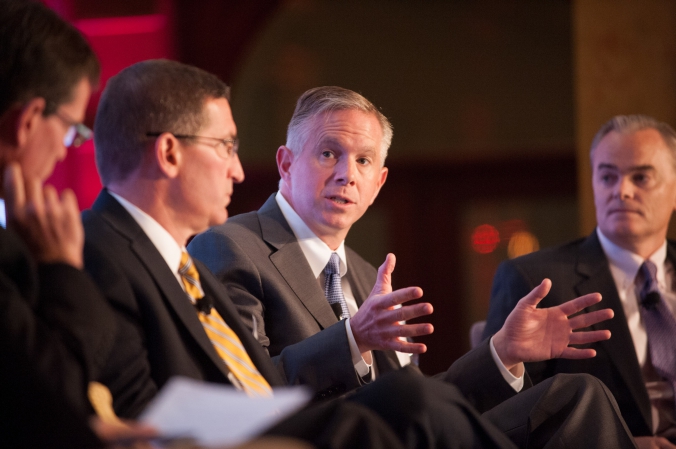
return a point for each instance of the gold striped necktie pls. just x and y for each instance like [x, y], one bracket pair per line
[225, 341]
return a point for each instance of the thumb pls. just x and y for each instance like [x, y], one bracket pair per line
[14, 191]
[384, 280]
[533, 298]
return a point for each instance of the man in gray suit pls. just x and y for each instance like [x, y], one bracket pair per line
[634, 184]
[306, 223]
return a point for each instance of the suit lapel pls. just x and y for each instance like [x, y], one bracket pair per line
[594, 274]
[291, 263]
[174, 296]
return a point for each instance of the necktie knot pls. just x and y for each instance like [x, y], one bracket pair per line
[333, 288]
[333, 267]
[191, 281]
[647, 279]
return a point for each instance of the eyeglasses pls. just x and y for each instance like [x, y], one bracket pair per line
[225, 148]
[77, 133]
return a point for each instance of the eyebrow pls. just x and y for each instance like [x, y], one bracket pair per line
[332, 141]
[634, 168]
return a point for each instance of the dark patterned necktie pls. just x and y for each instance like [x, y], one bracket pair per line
[660, 324]
[332, 288]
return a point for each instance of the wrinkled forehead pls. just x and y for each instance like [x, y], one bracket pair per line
[633, 149]
[345, 126]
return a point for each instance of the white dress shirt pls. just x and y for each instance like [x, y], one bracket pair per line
[318, 254]
[624, 266]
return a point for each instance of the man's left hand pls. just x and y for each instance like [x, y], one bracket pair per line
[531, 334]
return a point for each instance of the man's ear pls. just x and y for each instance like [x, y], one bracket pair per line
[382, 177]
[284, 160]
[28, 121]
[168, 154]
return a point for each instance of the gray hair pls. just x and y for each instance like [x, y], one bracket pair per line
[631, 123]
[328, 99]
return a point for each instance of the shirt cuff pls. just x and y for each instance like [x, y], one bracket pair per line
[360, 365]
[515, 382]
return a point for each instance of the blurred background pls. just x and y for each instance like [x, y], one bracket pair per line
[494, 105]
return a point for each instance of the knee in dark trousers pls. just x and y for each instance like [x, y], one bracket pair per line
[427, 413]
[338, 424]
[567, 410]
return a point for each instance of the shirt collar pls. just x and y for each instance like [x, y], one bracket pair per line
[629, 263]
[168, 248]
[315, 250]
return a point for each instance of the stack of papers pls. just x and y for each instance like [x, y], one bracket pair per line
[218, 415]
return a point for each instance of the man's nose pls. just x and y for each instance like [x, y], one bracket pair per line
[345, 171]
[624, 188]
[236, 169]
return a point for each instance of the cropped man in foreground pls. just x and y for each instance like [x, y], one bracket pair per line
[55, 327]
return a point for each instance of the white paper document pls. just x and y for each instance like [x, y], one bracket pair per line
[217, 415]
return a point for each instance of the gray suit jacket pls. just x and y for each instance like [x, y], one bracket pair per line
[575, 269]
[257, 257]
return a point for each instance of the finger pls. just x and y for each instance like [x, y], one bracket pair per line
[384, 279]
[535, 296]
[14, 191]
[69, 202]
[663, 443]
[591, 318]
[581, 338]
[405, 346]
[577, 354]
[409, 312]
[407, 330]
[69, 209]
[577, 304]
[398, 297]
[34, 199]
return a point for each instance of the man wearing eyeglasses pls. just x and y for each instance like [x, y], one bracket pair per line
[55, 327]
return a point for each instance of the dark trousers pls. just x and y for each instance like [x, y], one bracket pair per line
[405, 408]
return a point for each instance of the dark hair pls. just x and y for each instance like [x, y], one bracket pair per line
[149, 97]
[40, 56]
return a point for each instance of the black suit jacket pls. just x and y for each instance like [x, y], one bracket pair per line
[55, 333]
[575, 269]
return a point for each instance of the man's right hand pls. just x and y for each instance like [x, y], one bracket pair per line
[51, 227]
[653, 443]
[377, 323]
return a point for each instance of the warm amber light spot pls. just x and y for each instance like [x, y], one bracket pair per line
[522, 243]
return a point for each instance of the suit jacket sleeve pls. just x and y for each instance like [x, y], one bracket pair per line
[127, 373]
[322, 361]
[54, 324]
[479, 379]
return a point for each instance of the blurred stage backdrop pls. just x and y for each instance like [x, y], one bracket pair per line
[494, 104]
